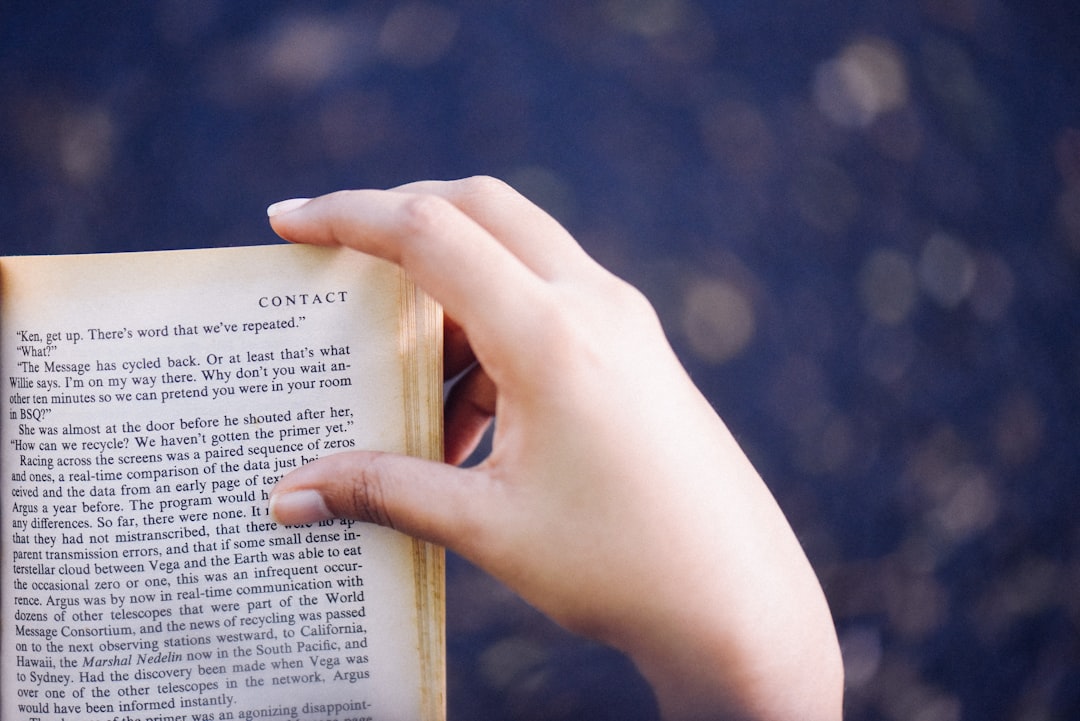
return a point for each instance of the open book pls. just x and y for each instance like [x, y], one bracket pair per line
[150, 402]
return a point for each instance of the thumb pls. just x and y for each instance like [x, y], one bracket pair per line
[424, 499]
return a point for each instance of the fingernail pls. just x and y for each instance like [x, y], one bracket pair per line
[299, 507]
[284, 206]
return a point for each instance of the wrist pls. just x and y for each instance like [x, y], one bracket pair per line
[736, 630]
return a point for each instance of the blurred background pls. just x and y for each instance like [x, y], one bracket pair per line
[860, 222]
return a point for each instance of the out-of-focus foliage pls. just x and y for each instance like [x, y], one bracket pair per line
[860, 222]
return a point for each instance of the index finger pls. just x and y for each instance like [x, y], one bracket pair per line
[478, 280]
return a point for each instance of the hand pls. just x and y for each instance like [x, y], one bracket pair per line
[614, 498]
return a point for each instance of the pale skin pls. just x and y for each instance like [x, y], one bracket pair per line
[614, 499]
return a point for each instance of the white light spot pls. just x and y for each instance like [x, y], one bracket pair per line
[718, 320]
[306, 51]
[861, 651]
[866, 80]
[417, 34]
[86, 144]
[946, 270]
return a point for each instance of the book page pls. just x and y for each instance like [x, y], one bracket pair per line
[151, 402]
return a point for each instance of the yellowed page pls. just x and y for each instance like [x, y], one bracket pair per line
[151, 401]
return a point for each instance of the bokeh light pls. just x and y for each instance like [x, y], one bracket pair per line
[868, 79]
[859, 224]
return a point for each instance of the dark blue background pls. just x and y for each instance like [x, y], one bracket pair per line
[882, 305]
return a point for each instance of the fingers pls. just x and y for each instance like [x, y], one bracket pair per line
[479, 282]
[532, 235]
[470, 405]
[469, 411]
[425, 499]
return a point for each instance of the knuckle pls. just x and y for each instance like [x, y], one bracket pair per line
[586, 330]
[425, 215]
[484, 185]
[368, 493]
[636, 304]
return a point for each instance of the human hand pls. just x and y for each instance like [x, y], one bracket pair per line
[614, 498]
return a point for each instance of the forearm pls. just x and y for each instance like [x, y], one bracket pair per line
[727, 618]
[739, 629]
[776, 661]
